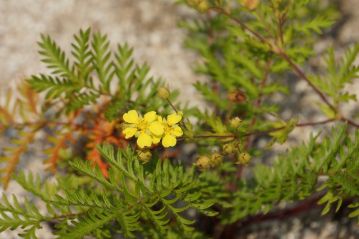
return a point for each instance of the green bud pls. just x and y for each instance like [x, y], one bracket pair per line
[250, 4]
[235, 122]
[228, 148]
[144, 155]
[163, 93]
[216, 159]
[203, 162]
[199, 5]
[203, 6]
[243, 158]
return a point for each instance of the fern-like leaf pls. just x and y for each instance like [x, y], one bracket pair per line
[55, 58]
[81, 51]
[102, 62]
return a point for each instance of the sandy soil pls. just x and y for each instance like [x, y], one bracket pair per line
[150, 26]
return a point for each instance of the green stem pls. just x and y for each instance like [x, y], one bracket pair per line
[305, 124]
[172, 105]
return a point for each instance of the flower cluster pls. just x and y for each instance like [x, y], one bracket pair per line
[152, 128]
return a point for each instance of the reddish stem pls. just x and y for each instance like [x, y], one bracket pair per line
[302, 75]
[315, 123]
[350, 122]
[239, 22]
[283, 214]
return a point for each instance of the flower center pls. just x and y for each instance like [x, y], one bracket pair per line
[142, 125]
[167, 129]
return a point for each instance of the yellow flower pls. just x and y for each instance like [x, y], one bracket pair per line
[143, 128]
[151, 128]
[170, 130]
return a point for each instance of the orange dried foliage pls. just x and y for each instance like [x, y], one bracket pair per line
[95, 157]
[31, 97]
[103, 132]
[6, 115]
[14, 160]
[55, 152]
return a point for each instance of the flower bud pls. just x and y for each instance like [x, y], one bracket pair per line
[199, 5]
[203, 6]
[216, 159]
[235, 122]
[163, 93]
[228, 148]
[236, 96]
[144, 155]
[250, 4]
[243, 158]
[203, 162]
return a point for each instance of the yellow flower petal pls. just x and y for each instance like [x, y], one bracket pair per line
[156, 140]
[131, 117]
[169, 141]
[144, 140]
[129, 132]
[174, 118]
[150, 116]
[176, 131]
[156, 128]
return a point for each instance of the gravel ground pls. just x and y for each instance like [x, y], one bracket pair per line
[150, 27]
